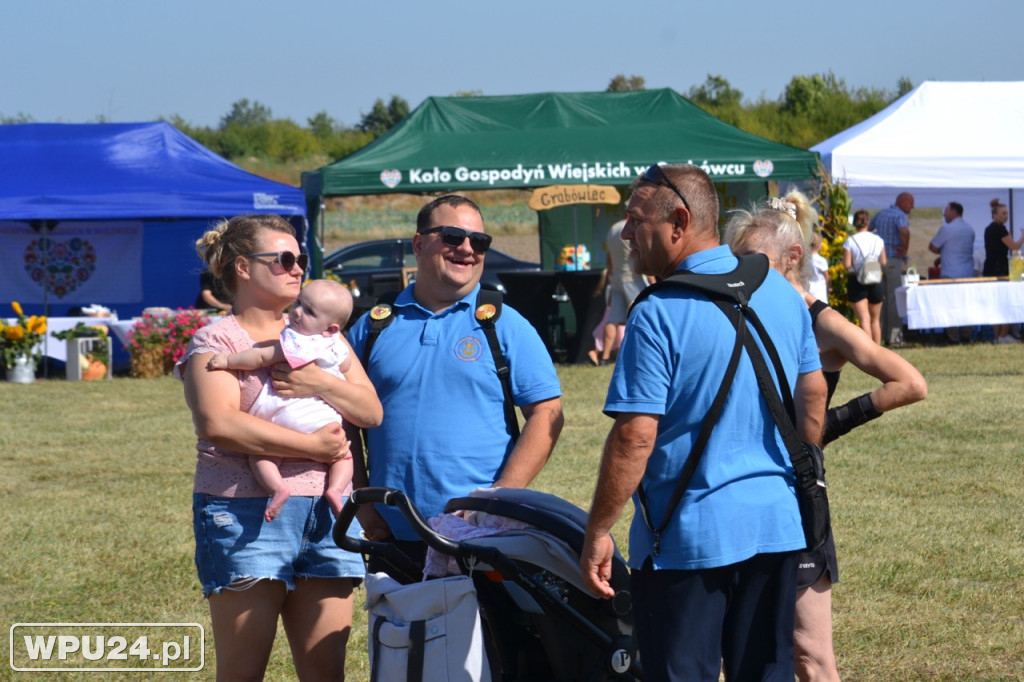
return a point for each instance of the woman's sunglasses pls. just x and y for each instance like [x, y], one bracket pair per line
[286, 259]
[454, 236]
[656, 176]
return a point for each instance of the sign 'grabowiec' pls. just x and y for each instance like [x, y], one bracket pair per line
[526, 141]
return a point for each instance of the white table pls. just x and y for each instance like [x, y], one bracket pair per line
[57, 349]
[121, 329]
[960, 304]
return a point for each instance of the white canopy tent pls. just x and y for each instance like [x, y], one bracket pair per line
[942, 142]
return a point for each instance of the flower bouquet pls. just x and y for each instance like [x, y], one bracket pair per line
[18, 340]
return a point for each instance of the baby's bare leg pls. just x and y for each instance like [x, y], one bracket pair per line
[339, 476]
[266, 472]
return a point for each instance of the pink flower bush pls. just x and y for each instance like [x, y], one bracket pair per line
[170, 333]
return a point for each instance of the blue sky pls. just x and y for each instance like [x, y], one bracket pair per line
[136, 60]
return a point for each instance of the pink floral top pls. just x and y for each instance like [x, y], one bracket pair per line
[222, 472]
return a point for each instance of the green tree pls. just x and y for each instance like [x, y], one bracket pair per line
[322, 126]
[620, 83]
[818, 106]
[384, 117]
[398, 109]
[715, 92]
[246, 114]
[717, 97]
[245, 131]
[287, 141]
[347, 142]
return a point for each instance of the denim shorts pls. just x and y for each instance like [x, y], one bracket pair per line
[235, 546]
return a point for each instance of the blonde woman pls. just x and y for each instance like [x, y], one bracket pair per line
[254, 573]
[782, 230]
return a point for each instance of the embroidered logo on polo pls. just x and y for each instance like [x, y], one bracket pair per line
[468, 348]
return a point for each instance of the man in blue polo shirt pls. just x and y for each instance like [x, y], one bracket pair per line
[444, 430]
[719, 588]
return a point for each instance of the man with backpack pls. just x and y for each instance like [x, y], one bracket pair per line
[450, 366]
[713, 577]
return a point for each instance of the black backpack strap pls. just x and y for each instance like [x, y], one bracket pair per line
[488, 310]
[731, 292]
[381, 315]
[773, 354]
[697, 449]
[746, 277]
[417, 650]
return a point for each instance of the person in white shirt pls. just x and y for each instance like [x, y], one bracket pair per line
[866, 299]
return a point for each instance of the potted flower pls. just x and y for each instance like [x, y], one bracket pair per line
[93, 363]
[156, 342]
[18, 345]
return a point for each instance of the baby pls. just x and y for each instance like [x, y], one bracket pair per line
[315, 321]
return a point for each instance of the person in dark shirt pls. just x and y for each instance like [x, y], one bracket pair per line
[998, 245]
[212, 293]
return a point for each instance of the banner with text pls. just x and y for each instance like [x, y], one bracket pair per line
[76, 262]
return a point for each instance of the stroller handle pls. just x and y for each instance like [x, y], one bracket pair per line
[392, 498]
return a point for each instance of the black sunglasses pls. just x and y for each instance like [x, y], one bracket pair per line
[454, 236]
[286, 259]
[656, 175]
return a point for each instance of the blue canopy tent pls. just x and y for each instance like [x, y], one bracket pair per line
[113, 211]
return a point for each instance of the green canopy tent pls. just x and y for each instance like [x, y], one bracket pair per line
[540, 140]
[524, 141]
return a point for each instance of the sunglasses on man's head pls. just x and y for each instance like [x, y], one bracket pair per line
[286, 259]
[656, 175]
[454, 236]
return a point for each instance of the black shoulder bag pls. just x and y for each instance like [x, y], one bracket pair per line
[731, 293]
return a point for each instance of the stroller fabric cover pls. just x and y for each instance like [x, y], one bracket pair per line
[425, 631]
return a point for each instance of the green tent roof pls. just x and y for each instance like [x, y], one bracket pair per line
[520, 141]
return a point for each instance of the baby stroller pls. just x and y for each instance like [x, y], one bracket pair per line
[538, 620]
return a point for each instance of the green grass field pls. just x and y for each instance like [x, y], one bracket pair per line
[95, 520]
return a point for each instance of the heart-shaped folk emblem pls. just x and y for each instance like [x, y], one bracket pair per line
[60, 266]
[391, 178]
[763, 168]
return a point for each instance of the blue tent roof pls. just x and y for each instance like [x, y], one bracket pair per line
[97, 171]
